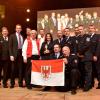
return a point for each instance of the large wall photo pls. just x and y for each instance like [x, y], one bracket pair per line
[54, 20]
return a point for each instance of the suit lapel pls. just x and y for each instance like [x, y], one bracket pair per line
[15, 38]
[60, 56]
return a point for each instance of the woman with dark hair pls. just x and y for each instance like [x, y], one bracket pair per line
[47, 47]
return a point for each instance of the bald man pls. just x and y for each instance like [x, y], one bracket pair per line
[71, 69]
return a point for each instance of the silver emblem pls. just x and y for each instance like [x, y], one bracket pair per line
[88, 39]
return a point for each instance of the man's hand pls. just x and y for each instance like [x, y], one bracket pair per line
[12, 58]
[25, 60]
[65, 60]
[94, 58]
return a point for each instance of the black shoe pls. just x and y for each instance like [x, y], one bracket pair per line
[11, 86]
[81, 86]
[98, 87]
[21, 85]
[73, 92]
[47, 88]
[29, 87]
[86, 89]
[5, 86]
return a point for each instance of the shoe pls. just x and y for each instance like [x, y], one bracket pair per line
[5, 86]
[98, 87]
[20, 85]
[11, 86]
[47, 88]
[86, 89]
[73, 92]
[81, 86]
[29, 87]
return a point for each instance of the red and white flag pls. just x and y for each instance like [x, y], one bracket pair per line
[47, 72]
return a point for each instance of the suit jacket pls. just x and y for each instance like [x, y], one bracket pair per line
[52, 56]
[72, 62]
[13, 45]
[87, 47]
[94, 43]
[4, 49]
[62, 43]
[97, 52]
[71, 43]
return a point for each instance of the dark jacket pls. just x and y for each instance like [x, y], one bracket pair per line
[53, 56]
[72, 62]
[87, 47]
[49, 47]
[4, 49]
[72, 44]
[97, 51]
[13, 45]
[62, 43]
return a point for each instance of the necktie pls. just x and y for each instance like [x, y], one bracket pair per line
[19, 42]
[5, 38]
[56, 55]
[60, 40]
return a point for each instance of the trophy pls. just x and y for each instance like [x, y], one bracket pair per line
[46, 47]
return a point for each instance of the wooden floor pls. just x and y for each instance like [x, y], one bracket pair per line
[36, 94]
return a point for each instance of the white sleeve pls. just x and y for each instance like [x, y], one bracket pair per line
[24, 50]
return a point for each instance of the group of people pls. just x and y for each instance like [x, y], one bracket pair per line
[53, 21]
[80, 52]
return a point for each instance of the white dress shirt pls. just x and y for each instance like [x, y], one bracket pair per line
[5, 38]
[34, 48]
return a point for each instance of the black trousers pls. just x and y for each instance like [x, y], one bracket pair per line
[0, 70]
[17, 65]
[71, 80]
[82, 74]
[74, 78]
[88, 73]
[4, 66]
[98, 70]
[28, 69]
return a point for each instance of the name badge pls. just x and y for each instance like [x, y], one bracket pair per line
[1, 41]
[88, 39]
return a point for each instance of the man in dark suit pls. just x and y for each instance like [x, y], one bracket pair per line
[55, 55]
[79, 37]
[15, 50]
[70, 41]
[57, 52]
[95, 40]
[60, 40]
[4, 51]
[98, 62]
[87, 48]
[71, 70]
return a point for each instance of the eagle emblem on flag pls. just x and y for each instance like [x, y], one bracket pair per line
[46, 72]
